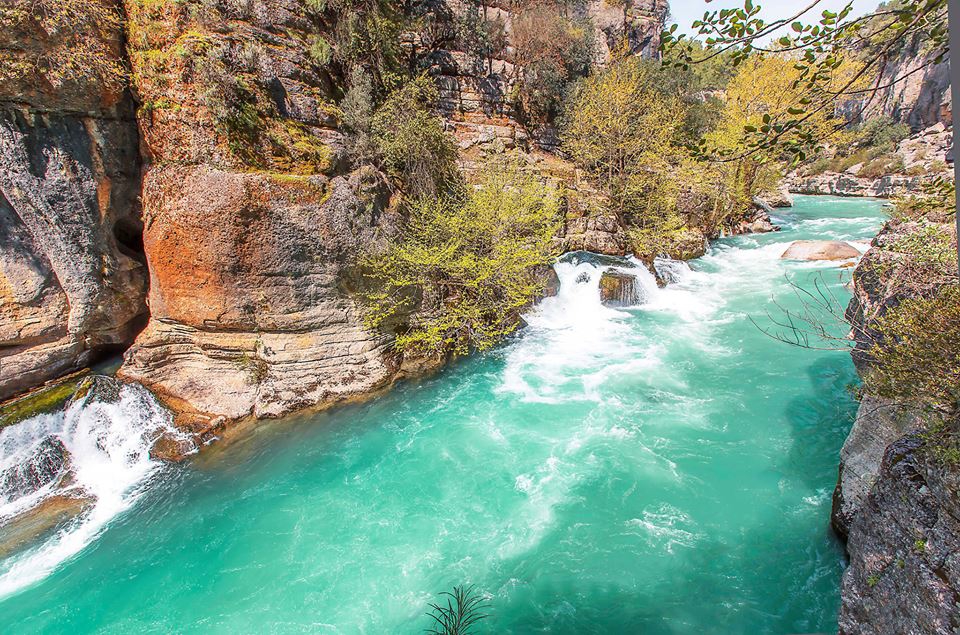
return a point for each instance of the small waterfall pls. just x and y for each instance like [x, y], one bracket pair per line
[97, 448]
[608, 280]
[671, 271]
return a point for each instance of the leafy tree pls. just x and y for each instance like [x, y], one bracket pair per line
[411, 142]
[465, 264]
[821, 54]
[550, 50]
[621, 129]
[762, 90]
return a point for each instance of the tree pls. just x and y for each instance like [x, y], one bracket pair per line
[820, 52]
[411, 141]
[621, 129]
[550, 50]
[465, 264]
[762, 90]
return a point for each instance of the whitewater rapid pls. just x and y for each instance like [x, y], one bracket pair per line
[96, 451]
[649, 468]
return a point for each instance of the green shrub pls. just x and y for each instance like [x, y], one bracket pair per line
[320, 51]
[880, 132]
[917, 359]
[232, 103]
[937, 199]
[464, 265]
[882, 166]
[411, 142]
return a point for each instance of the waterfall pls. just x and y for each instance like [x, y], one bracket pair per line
[98, 449]
[671, 271]
[591, 278]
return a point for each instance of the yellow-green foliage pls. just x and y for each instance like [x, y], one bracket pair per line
[627, 131]
[621, 129]
[465, 265]
[938, 199]
[917, 359]
[81, 43]
[761, 92]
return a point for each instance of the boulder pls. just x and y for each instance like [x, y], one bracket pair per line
[820, 250]
[619, 289]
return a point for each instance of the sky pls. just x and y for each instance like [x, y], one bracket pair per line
[684, 12]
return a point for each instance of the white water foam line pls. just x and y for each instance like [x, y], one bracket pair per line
[107, 448]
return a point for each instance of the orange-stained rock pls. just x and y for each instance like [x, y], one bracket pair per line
[250, 309]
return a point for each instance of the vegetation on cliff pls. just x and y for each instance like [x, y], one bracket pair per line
[465, 264]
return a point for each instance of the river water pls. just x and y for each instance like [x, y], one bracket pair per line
[665, 468]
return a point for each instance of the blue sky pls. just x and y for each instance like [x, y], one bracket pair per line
[684, 12]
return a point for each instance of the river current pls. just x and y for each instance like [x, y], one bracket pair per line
[662, 468]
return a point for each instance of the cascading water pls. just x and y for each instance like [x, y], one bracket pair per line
[671, 271]
[663, 468]
[94, 449]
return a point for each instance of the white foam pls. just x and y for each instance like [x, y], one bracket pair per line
[109, 458]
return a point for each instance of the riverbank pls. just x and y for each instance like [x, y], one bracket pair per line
[608, 469]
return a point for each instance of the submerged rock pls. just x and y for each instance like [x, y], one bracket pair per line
[48, 464]
[619, 289]
[820, 250]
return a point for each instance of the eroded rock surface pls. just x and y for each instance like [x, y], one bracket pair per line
[72, 280]
[820, 250]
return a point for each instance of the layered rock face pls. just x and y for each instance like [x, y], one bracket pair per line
[914, 91]
[895, 502]
[904, 547]
[250, 241]
[72, 280]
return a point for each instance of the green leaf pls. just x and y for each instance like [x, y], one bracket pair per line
[796, 26]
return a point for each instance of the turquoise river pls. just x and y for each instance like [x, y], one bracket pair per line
[663, 468]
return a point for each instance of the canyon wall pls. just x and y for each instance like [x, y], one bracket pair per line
[896, 498]
[72, 276]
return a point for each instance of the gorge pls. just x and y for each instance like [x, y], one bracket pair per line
[311, 310]
[660, 467]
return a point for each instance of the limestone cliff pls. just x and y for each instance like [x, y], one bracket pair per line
[72, 277]
[895, 500]
[249, 238]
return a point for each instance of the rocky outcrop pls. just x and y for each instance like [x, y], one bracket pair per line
[920, 159]
[896, 498]
[904, 547]
[756, 221]
[72, 279]
[842, 184]
[250, 313]
[820, 250]
[251, 239]
[913, 90]
[476, 94]
[879, 423]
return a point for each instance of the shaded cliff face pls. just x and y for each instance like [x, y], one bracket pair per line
[904, 548]
[896, 498]
[250, 235]
[72, 280]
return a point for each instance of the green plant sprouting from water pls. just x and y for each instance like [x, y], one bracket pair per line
[464, 607]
